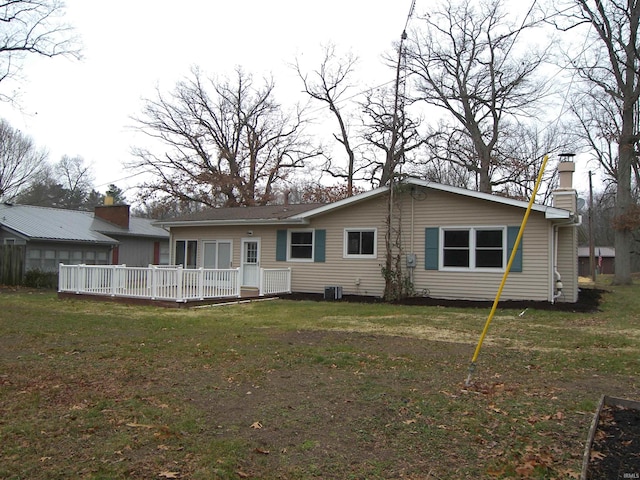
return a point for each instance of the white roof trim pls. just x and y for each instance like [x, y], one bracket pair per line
[343, 203]
[232, 222]
[551, 213]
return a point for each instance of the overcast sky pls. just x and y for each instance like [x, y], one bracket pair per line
[130, 47]
[83, 108]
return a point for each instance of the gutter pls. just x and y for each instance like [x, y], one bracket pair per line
[234, 222]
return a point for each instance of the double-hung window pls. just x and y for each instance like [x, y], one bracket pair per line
[474, 248]
[360, 243]
[301, 245]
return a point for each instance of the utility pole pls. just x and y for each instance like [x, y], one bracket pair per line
[592, 248]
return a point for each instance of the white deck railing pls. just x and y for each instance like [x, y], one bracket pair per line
[157, 282]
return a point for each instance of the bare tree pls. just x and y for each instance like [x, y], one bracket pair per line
[391, 133]
[75, 177]
[523, 149]
[229, 142]
[66, 184]
[610, 68]
[329, 84]
[20, 161]
[32, 27]
[469, 61]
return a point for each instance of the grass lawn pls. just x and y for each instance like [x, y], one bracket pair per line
[300, 389]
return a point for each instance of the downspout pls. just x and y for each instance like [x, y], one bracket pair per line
[557, 279]
[557, 282]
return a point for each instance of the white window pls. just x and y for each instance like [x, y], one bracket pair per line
[217, 254]
[474, 248]
[360, 243]
[301, 245]
[186, 253]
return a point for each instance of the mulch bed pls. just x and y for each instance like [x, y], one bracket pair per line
[615, 452]
[588, 301]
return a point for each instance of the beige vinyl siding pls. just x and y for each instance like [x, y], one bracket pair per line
[357, 276]
[423, 209]
[441, 209]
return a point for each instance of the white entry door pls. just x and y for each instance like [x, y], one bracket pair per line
[250, 262]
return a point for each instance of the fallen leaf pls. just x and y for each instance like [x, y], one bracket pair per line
[597, 455]
[409, 422]
[139, 425]
[169, 474]
[496, 472]
[262, 451]
[526, 470]
[256, 425]
[241, 474]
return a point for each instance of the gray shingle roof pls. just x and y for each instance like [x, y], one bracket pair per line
[56, 224]
[266, 212]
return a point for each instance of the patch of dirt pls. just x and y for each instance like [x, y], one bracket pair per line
[588, 301]
[615, 452]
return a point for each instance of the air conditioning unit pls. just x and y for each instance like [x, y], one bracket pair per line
[333, 292]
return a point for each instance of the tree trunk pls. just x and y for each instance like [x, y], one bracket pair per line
[623, 234]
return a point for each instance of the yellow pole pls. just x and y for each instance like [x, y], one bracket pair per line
[506, 272]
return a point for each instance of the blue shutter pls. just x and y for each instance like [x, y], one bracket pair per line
[320, 240]
[431, 248]
[281, 246]
[512, 234]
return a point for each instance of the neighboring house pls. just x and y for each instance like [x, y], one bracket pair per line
[106, 236]
[455, 242]
[604, 259]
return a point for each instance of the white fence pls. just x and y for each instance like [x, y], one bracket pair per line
[165, 282]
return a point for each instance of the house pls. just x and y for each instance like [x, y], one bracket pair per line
[604, 258]
[455, 243]
[106, 236]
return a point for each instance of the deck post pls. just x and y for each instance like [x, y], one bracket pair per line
[179, 280]
[82, 274]
[154, 281]
[261, 283]
[201, 283]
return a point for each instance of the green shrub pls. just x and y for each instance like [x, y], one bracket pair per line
[37, 278]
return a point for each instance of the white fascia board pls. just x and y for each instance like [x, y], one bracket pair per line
[342, 203]
[234, 222]
[550, 212]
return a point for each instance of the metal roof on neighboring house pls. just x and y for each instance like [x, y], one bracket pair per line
[54, 224]
[605, 252]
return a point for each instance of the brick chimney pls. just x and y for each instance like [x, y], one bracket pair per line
[116, 214]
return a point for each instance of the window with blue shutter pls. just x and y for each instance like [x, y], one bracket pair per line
[512, 234]
[431, 248]
[320, 246]
[281, 246]
[301, 245]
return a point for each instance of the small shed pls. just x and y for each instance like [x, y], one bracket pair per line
[604, 259]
